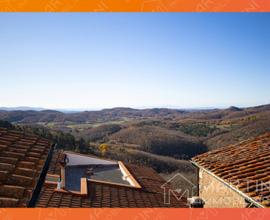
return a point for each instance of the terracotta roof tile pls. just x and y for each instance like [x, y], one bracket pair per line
[22, 158]
[245, 165]
[102, 195]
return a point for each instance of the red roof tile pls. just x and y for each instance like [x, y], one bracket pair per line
[22, 158]
[245, 165]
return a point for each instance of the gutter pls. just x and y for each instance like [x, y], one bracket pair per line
[230, 186]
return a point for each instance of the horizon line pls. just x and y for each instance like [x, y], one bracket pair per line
[35, 108]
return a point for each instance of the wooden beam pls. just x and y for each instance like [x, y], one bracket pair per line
[84, 190]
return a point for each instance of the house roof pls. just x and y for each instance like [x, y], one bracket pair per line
[245, 166]
[104, 194]
[22, 158]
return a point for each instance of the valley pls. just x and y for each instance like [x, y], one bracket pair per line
[164, 139]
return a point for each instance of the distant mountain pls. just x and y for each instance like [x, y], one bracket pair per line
[35, 115]
[31, 116]
[21, 108]
[234, 108]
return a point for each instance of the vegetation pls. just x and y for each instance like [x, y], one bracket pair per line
[197, 129]
[102, 132]
[63, 140]
[160, 141]
[103, 148]
[164, 139]
[5, 124]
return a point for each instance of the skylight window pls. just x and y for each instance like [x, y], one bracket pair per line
[94, 169]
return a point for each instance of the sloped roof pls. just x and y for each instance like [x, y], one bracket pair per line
[102, 194]
[245, 166]
[22, 158]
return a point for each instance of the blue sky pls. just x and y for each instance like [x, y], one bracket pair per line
[93, 61]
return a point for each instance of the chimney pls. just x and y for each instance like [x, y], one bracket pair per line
[63, 160]
[196, 202]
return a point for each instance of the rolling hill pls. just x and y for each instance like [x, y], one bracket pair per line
[148, 136]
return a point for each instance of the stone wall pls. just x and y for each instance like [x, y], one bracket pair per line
[216, 194]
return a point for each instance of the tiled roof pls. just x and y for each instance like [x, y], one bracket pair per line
[22, 158]
[245, 166]
[101, 194]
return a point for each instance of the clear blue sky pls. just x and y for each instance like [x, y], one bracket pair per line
[93, 61]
